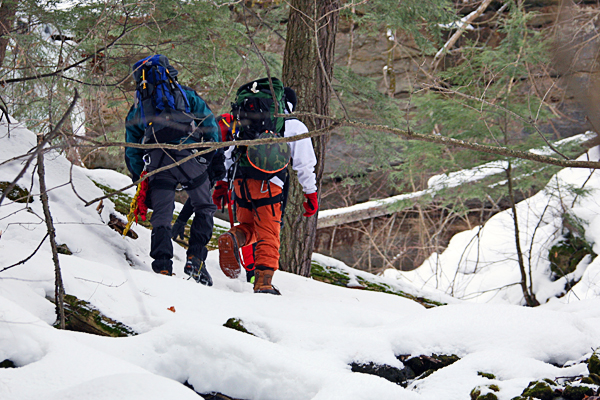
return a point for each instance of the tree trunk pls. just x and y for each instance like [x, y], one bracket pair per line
[308, 69]
[8, 10]
[530, 299]
[59, 290]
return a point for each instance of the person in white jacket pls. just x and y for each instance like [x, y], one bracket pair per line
[259, 209]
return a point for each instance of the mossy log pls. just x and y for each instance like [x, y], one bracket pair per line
[81, 316]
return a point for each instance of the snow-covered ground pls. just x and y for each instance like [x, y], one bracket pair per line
[304, 340]
[482, 265]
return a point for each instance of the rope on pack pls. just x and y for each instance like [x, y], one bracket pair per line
[138, 207]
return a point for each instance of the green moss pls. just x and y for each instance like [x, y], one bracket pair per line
[587, 380]
[577, 392]
[329, 275]
[565, 255]
[539, 390]
[594, 364]
[476, 393]
[486, 375]
[120, 200]
[595, 379]
[7, 364]
[17, 194]
[487, 396]
[81, 316]
[236, 324]
[337, 277]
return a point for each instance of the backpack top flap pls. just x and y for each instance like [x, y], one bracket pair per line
[255, 110]
[157, 88]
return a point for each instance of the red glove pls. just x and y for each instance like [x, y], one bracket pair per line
[311, 205]
[221, 194]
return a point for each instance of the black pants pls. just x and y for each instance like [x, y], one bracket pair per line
[161, 198]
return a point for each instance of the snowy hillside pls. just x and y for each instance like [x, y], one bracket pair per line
[482, 264]
[303, 344]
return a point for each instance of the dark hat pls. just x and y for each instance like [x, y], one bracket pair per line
[290, 97]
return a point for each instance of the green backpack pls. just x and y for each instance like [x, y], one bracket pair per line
[254, 111]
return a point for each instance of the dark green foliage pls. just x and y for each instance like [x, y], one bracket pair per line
[236, 324]
[577, 392]
[17, 194]
[375, 150]
[486, 98]
[565, 255]
[420, 19]
[81, 316]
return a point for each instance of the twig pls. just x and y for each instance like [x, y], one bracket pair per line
[29, 257]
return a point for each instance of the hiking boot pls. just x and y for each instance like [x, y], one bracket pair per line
[262, 281]
[229, 253]
[195, 268]
[163, 267]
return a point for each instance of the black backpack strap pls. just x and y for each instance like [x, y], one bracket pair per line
[285, 192]
[246, 201]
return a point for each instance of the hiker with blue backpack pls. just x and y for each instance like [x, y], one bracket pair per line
[257, 176]
[166, 112]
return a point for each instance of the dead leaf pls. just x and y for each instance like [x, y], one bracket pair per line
[100, 207]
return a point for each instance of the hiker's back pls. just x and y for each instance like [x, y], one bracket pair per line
[255, 112]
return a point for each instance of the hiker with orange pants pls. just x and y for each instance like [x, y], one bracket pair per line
[221, 198]
[259, 200]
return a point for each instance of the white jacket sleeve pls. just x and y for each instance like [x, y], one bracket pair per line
[303, 156]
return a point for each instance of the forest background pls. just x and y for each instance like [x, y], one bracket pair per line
[500, 77]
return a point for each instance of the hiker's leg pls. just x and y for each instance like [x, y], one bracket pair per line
[161, 246]
[194, 173]
[267, 224]
[202, 225]
[161, 197]
[245, 217]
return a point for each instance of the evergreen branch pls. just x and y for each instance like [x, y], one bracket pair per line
[504, 109]
[40, 147]
[61, 70]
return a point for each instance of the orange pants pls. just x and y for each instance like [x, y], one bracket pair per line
[260, 225]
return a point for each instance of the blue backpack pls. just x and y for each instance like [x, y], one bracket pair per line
[165, 109]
